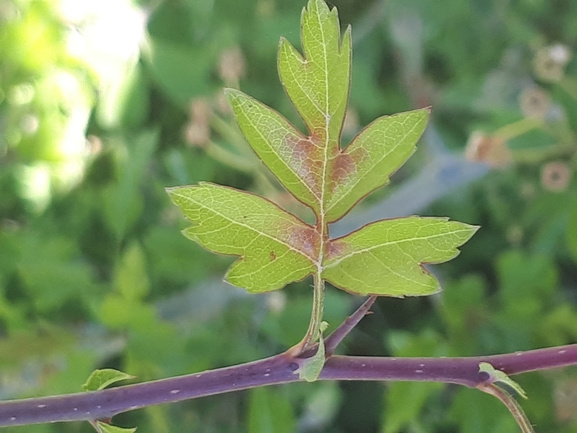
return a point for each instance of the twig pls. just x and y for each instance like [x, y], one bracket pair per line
[270, 371]
[333, 340]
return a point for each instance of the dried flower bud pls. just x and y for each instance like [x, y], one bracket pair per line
[490, 149]
[555, 176]
[550, 61]
[197, 131]
[534, 103]
[231, 67]
[197, 134]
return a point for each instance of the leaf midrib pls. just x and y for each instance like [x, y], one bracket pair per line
[274, 151]
[385, 244]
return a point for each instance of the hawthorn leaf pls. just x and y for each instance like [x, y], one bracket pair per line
[318, 82]
[318, 87]
[275, 247]
[281, 146]
[373, 155]
[385, 257]
[314, 168]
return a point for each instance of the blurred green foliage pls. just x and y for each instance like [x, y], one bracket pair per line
[104, 104]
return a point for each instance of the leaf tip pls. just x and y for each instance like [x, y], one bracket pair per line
[230, 93]
[472, 228]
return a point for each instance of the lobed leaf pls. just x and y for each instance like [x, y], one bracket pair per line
[276, 248]
[385, 257]
[318, 85]
[373, 155]
[314, 168]
[284, 149]
[318, 82]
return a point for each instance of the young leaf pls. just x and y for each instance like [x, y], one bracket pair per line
[102, 427]
[500, 377]
[311, 367]
[385, 257]
[276, 248]
[100, 379]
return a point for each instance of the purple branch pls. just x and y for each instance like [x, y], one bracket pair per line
[462, 371]
[275, 370]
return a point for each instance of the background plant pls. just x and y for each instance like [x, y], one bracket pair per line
[71, 260]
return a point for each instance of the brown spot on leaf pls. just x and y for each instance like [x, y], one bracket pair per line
[272, 256]
[335, 248]
[305, 159]
[305, 239]
[343, 167]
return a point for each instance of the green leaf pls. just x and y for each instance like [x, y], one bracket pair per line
[102, 427]
[276, 248]
[526, 283]
[100, 379]
[123, 200]
[318, 83]
[283, 149]
[405, 401]
[385, 257]
[475, 412]
[313, 167]
[373, 155]
[130, 277]
[270, 412]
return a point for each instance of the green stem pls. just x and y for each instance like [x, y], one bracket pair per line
[314, 331]
[264, 182]
[230, 132]
[512, 404]
[520, 127]
[569, 85]
[318, 307]
[247, 163]
[220, 154]
[538, 155]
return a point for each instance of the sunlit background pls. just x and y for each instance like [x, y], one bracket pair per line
[105, 103]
